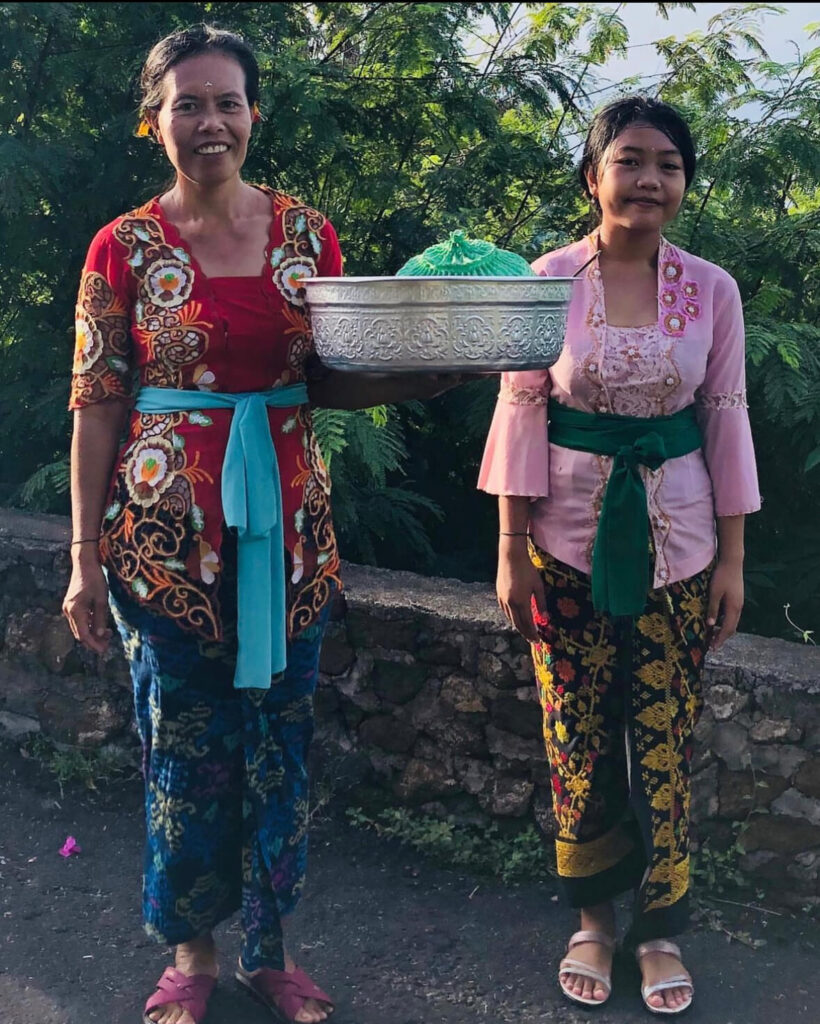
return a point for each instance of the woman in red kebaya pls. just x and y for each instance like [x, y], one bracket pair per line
[212, 520]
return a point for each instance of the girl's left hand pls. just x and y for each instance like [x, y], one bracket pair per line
[725, 602]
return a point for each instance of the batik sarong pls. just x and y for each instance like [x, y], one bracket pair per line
[620, 701]
[226, 781]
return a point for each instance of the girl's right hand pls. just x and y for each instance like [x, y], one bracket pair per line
[86, 605]
[518, 581]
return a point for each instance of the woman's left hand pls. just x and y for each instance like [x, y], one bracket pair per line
[725, 602]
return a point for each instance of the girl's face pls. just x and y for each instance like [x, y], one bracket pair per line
[640, 182]
[204, 122]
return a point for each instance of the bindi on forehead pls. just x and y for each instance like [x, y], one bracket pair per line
[207, 71]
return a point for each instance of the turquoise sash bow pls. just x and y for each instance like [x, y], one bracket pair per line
[251, 502]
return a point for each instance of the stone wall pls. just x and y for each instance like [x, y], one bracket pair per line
[427, 692]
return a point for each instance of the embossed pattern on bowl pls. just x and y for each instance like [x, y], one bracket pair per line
[438, 324]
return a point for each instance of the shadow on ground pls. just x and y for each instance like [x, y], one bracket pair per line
[393, 937]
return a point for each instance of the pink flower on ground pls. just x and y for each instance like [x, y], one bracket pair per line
[70, 847]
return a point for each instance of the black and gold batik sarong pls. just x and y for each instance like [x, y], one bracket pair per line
[620, 701]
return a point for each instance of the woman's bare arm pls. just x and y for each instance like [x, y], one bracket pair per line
[97, 430]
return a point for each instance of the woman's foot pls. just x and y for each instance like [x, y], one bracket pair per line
[661, 965]
[595, 955]
[196, 957]
[312, 1011]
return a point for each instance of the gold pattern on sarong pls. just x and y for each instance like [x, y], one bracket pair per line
[603, 690]
[580, 860]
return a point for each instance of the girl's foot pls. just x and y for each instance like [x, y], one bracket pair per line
[196, 957]
[596, 955]
[660, 963]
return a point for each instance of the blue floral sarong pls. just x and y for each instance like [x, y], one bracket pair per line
[226, 781]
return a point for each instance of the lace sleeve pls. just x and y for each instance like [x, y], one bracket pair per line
[516, 395]
[723, 400]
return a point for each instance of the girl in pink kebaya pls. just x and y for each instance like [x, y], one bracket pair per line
[624, 474]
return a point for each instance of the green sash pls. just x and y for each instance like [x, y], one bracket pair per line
[621, 570]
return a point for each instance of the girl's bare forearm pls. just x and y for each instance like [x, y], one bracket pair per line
[730, 539]
[513, 524]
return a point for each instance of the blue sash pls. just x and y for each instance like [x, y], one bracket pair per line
[251, 502]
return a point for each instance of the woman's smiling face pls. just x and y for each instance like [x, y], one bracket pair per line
[204, 122]
[640, 182]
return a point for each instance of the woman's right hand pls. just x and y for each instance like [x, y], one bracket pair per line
[518, 581]
[86, 603]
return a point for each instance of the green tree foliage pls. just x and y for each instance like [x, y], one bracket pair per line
[403, 121]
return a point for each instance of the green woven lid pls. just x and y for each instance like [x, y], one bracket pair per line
[465, 257]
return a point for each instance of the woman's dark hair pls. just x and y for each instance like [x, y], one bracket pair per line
[609, 122]
[192, 42]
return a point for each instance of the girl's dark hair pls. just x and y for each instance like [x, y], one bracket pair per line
[609, 122]
[191, 42]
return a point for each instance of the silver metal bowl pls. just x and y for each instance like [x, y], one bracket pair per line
[438, 324]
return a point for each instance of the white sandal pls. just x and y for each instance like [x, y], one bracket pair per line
[570, 966]
[676, 981]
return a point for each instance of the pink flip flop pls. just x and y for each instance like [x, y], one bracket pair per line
[284, 993]
[191, 991]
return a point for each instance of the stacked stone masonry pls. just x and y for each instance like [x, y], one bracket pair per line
[426, 692]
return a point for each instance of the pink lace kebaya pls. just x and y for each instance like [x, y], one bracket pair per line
[694, 352]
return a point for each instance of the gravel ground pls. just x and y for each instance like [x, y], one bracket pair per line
[393, 937]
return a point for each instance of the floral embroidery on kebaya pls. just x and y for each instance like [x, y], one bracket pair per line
[102, 366]
[675, 297]
[298, 564]
[674, 323]
[204, 379]
[143, 308]
[169, 283]
[289, 275]
[208, 562]
[149, 470]
[88, 346]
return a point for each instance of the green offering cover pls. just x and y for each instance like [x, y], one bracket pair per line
[460, 256]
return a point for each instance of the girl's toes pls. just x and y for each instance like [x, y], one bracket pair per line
[656, 1000]
[599, 993]
[587, 989]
